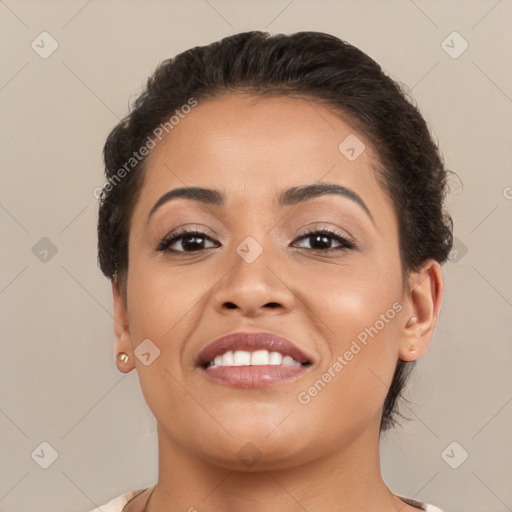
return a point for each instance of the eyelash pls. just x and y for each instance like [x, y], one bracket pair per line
[174, 237]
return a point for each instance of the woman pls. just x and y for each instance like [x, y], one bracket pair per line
[273, 227]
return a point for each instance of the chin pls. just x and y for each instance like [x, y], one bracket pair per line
[255, 456]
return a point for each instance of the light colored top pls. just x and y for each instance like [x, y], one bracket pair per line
[117, 504]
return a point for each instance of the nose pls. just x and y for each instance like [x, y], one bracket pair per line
[254, 289]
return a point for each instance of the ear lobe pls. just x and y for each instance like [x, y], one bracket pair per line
[123, 339]
[426, 293]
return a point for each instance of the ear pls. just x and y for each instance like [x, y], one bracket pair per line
[123, 339]
[425, 297]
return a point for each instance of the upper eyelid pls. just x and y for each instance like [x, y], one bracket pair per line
[307, 231]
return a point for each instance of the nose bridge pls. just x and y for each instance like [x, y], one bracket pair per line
[253, 281]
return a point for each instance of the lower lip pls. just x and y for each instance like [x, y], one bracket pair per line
[254, 376]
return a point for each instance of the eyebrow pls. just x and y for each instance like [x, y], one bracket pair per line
[289, 197]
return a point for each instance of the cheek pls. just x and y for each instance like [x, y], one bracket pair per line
[161, 298]
[358, 311]
[348, 391]
[347, 299]
[159, 306]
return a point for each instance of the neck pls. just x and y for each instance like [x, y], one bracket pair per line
[345, 480]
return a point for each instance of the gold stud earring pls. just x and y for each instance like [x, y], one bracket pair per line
[123, 357]
[412, 320]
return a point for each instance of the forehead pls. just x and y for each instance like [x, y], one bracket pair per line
[253, 147]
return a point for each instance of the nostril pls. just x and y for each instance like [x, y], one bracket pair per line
[230, 305]
[272, 304]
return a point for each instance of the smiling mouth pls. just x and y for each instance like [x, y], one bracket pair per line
[252, 360]
[257, 369]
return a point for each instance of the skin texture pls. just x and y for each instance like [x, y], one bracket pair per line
[323, 455]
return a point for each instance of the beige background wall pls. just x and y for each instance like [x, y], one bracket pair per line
[59, 383]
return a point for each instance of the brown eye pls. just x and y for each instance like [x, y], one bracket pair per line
[321, 240]
[189, 241]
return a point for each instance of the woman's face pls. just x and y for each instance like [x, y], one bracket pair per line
[342, 303]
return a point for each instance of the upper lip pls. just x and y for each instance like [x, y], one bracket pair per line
[250, 342]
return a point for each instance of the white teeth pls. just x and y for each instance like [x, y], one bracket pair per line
[242, 358]
[276, 358]
[256, 358]
[260, 357]
[227, 359]
[287, 360]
